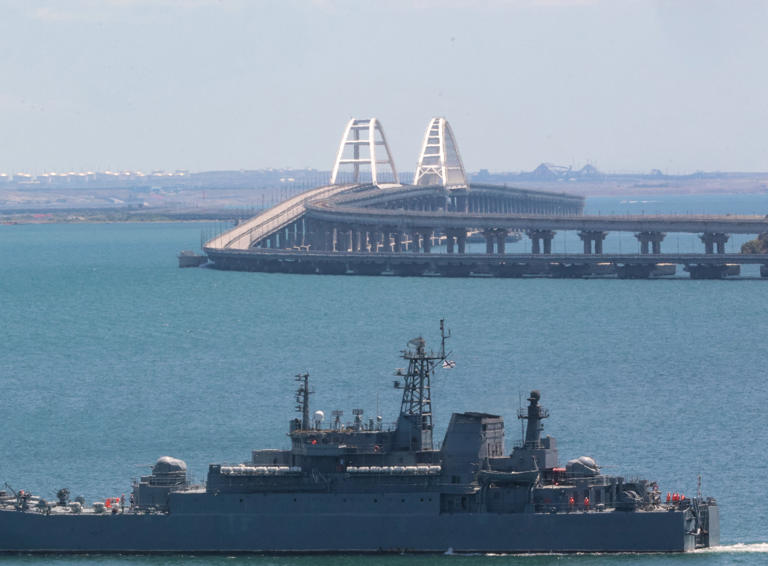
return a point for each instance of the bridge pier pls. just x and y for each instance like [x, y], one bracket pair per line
[422, 240]
[344, 239]
[712, 239]
[541, 236]
[490, 236]
[358, 240]
[652, 238]
[496, 236]
[379, 240]
[385, 235]
[501, 240]
[398, 237]
[460, 237]
[314, 234]
[596, 236]
[426, 241]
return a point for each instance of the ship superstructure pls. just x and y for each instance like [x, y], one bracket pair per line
[358, 487]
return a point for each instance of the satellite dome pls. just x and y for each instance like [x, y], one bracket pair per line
[583, 466]
[169, 465]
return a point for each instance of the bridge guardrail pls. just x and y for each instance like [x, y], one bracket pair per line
[276, 218]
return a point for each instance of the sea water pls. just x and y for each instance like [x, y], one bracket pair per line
[112, 356]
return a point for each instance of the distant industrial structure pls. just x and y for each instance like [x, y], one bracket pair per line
[370, 223]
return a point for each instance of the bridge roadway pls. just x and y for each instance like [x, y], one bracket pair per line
[244, 235]
[328, 211]
[700, 266]
[290, 214]
[476, 199]
[393, 229]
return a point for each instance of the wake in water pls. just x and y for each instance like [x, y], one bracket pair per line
[757, 547]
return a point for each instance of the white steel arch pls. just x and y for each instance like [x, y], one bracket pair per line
[439, 160]
[358, 148]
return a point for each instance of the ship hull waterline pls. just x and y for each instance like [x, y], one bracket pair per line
[662, 531]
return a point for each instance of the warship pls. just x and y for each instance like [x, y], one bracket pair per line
[361, 487]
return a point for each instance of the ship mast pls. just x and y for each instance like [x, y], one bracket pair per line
[534, 415]
[302, 399]
[417, 396]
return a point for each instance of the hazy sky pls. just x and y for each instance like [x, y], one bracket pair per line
[201, 85]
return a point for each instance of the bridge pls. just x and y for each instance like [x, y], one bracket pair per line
[366, 222]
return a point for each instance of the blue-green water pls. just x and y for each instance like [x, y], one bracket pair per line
[112, 356]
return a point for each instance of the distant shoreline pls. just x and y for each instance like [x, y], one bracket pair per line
[230, 215]
[116, 216]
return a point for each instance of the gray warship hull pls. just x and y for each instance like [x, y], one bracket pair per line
[358, 487]
[297, 528]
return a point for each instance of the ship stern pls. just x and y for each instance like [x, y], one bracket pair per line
[708, 534]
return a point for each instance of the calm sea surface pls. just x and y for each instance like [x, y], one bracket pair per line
[111, 356]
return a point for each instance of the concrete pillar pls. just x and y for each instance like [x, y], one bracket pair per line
[644, 238]
[596, 236]
[720, 240]
[599, 245]
[455, 235]
[538, 237]
[656, 239]
[501, 240]
[547, 236]
[489, 235]
[427, 242]
[599, 237]
[535, 249]
[709, 242]
[386, 239]
[328, 234]
[346, 240]
[653, 239]
[360, 243]
[416, 242]
[398, 241]
[712, 239]
[586, 237]
[461, 242]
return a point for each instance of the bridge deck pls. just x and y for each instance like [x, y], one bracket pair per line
[729, 224]
[268, 222]
[628, 259]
